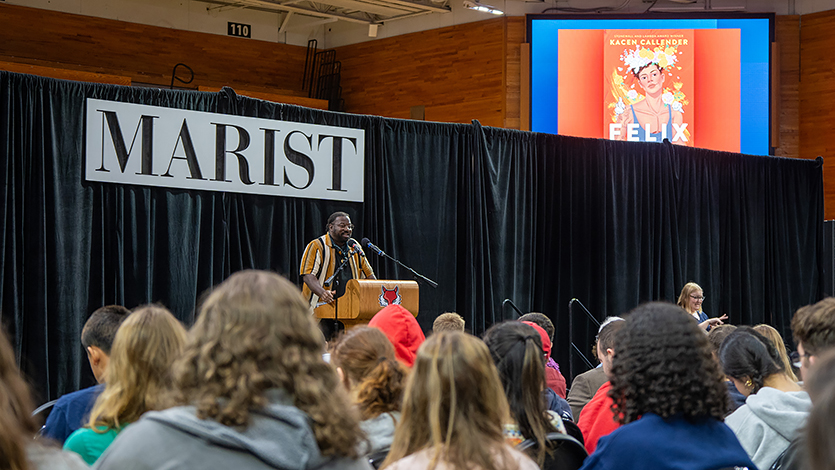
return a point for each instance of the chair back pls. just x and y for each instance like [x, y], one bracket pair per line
[573, 430]
[565, 452]
[376, 459]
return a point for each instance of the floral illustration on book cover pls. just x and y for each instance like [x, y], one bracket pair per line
[649, 85]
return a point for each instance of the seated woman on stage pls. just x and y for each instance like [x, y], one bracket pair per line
[776, 407]
[453, 411]
[669, 395]
[691, 299]
[255, 391]
[366, 365]
[138, 376]
[516, 349]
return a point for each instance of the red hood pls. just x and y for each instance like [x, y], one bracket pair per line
[402, 330]
[546, 341]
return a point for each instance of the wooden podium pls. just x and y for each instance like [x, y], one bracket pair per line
[365, 297]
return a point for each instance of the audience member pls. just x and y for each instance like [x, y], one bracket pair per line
[777, 340]
[516, 349]
[453, 411]
[72, 410]
[138, 376]
[820, 430]
[585, 385]
[813, 328]
[448, 321]
[775, 406]
[554, 401]
[597, 418]
[365, 362]
[690, 299]
[553, 377]
[18, 449]
[401, 329]
[715, 338]
[669, 396]
[256, 392]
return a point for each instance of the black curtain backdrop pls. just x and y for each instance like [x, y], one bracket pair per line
[487, 213]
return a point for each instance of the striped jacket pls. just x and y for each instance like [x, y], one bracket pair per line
[318, 259]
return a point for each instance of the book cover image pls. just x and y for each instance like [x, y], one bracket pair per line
[648, 85]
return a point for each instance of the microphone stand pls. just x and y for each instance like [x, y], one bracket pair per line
[417, 275]
[333, 279]
[571, 335]
[508, 301]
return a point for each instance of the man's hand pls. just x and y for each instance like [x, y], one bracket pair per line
[327, 296]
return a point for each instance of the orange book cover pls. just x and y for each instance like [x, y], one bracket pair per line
[649, 85]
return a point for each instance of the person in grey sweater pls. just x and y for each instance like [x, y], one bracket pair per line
[254, 391]
[278, 436]
[775, 407]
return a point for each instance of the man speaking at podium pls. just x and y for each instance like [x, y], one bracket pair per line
[324, 255]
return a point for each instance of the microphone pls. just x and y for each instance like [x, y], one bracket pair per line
[355, 247]
[367, 243]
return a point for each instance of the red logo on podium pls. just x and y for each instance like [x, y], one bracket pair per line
[389, 297]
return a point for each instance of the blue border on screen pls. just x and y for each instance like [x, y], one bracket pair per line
[755, 50]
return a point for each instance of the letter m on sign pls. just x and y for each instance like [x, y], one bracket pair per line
[146, 124]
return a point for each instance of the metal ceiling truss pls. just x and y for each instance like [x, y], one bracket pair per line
[354, 11]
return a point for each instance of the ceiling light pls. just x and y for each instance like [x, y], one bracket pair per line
[478, 6]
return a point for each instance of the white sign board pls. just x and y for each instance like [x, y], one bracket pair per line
[175, 148]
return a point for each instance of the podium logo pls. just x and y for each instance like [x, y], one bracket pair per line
[175, 148]
[389, 297]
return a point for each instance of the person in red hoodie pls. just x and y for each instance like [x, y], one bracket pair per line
[401, 328]
[553, 377]
[597, 418]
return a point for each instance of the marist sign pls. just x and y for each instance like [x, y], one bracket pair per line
[174, 148]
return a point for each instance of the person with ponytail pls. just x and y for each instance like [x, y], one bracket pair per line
[366, 364]
[516, 349]
[775, 408]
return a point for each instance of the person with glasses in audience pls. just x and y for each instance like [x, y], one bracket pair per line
[691, 299]
[322, 258]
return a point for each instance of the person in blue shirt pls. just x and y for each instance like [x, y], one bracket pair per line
[71, 410]
[669, 395]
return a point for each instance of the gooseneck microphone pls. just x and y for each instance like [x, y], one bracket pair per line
[367, 243]
[355, 247]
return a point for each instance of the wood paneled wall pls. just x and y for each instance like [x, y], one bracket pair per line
[457, 73]
[817, 97]
[147, 54]
[787, 35]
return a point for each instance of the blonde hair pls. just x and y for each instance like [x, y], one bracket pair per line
[454, 406]
[139, 371]
[254, 333]
[448, 321]
[774, 336]
[683, 298]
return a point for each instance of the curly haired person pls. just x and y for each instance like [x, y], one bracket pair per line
[670, 397]
[254, 389]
